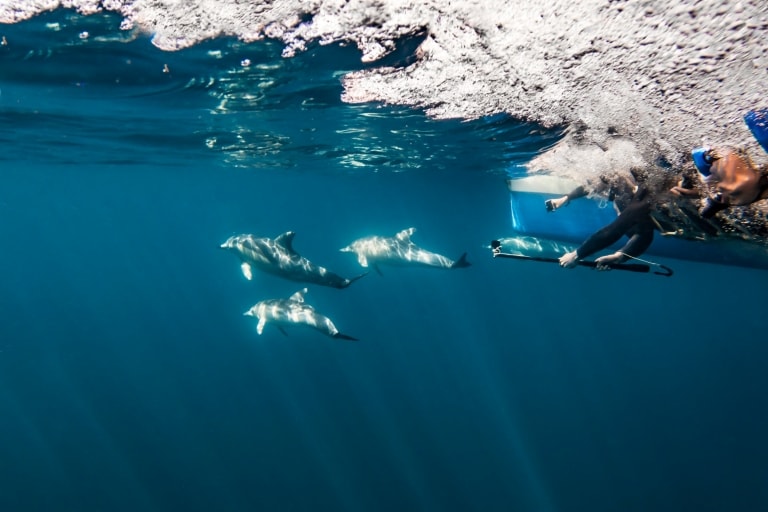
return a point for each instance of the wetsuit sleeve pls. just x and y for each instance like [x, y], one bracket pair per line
[636, 212]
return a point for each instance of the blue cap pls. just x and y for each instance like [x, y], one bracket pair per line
[757, 121]
[702, 160]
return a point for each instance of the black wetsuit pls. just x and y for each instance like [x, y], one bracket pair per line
[634, 221]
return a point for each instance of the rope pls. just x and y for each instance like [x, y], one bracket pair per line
[667, 271]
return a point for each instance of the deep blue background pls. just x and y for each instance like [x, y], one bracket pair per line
[129, 379]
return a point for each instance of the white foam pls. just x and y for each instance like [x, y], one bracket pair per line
[668, 76]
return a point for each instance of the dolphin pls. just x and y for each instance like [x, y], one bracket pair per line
[278, 257]
[399, 250]
[293, 311]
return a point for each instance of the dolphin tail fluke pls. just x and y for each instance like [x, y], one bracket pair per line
[461, 262]
[348, 282]
[340, 336]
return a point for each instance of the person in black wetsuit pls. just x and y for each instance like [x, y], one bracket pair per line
[633, 202]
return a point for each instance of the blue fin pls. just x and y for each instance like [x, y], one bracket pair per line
[757, 121]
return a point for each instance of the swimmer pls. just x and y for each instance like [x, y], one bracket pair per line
[634, 220]
[736, 180]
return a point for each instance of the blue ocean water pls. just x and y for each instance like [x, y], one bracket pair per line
[130, 380]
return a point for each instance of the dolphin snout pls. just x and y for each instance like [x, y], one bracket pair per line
[248, 313]
[229, 243]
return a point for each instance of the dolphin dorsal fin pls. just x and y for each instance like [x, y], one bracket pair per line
[286, 240]
[299, 295]
[405, 234]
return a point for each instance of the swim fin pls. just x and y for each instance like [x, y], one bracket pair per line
[757, 121]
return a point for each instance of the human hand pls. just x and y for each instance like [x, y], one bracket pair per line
[684, 188]
[605, 262]
[569, 259]
[555, 204]
[681, 191]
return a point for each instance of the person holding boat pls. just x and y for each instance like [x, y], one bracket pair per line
[734, 178]
[730, 173]
[632, 201]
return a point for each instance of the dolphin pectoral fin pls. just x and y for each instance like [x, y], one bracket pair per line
[352, 280]
[340, 336]
[282, 330]
[247, 272]
[405, 234]
[299, 295]
[461, 262]
[378, 270]
[260, 327]
[362, 260]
